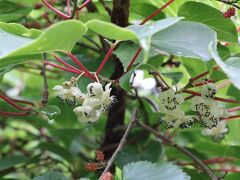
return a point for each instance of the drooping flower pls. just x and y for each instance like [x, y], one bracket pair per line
[208, 90]
[177, 118]
[217, 132]
[170, 101]
[69, 94]
[107, 100]
[95, 90]
[208, 111]
[86, 114]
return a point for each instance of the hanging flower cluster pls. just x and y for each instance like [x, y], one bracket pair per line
[207, 108]
[170, 106]
[209, 113]
[90, 105]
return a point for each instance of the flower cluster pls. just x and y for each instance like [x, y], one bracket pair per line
[207, 107]
[209, 113]
[170, 106]
[91, 104]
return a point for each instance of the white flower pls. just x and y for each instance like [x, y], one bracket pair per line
[208, 111]
[170, 101]
[177, 118]
[208, 91]
[217, 132]
[95, 90]
[69, 94]
[92, 102]
[87, 114]
[106, 99]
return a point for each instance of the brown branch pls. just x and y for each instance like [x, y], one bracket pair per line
[45, 82]
[195, 159]
[122, 142]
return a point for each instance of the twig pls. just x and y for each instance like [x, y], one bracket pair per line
[122, 142]
[75, 8]
[195, 159]
[232, 3]
[162, 82]
[45, 82]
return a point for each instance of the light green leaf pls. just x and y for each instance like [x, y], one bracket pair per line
[11, 161]
[185, 38]
[54, 175]
[231, 66]
[20, 30]
[199, 12]
[145, 32]
[151, 171]
[59, 37]
[110, 30]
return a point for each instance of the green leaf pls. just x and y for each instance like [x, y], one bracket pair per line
[56, 149]
[10, 11]
[231, 66]
[145, 170]
[150, 152]
[110, 30]
[59, 37]
[11, 161]
[126, 51]
[20, 30]
[140, 10]
[145, 32]
[175, 76]
[125, 80]
[54, 175]
[188, 39]
[199, 12]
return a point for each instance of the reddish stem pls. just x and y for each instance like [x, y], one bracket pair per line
[203, 74]
[108, 55]
[155, 13]
[76, 61]
[218, 160]
[60, 67]
[232, 118]
[22, 101]
[55, 10]
[203, 83]
[14, 113]
[216, 98]
[66, 64]
[234, 109]
[69, 7]
[134, 58]
[9, 101]
[84, 5]
[227, 170]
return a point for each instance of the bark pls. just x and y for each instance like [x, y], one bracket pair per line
[116, 114]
